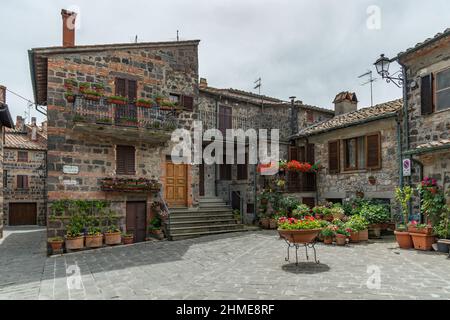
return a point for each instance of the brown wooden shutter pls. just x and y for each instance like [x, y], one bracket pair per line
[225, 119]
[121, 87]
[125, 160]
[426, 94]
[22, 182]
[333, 156]
[301, 154]
[132, 90]
[242, 169]
[188, 103]
[373, 151]
[293, 153]
[310, 157]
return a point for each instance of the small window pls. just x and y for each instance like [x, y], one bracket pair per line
[125, 160]
[443, 90]
[22, 182]
[188, 103]
[22, 156]
[5, 179]
[126, 88]
[355, 153]
[174, 98]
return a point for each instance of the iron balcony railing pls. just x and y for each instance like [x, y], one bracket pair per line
[127, 115]
[301, 182]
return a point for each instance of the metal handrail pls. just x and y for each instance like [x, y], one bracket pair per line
[166, 208]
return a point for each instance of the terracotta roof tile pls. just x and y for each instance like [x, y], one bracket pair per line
[20, 140]
[354, 118]
[425, 43]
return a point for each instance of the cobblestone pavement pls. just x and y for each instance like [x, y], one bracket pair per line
[234, 266]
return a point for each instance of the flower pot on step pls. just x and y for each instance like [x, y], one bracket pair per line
[341, 240]
[94, 241]
[404, 239]
[364, 235]
[56, 245]
[422, 241]
[128, 239]
[112, 239]
[354, 237]
[76, 243]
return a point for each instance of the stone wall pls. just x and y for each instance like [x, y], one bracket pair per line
[1, 182]
[432, 127]
[35, 169]
[345, 185]
[158, 70]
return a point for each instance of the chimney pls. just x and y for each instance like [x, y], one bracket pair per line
[44, 127]
[20, 124]
[2, 94]
[203, 83]
[68, 18]
[33, 129]
[345, 102]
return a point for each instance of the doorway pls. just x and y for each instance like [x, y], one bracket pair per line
[136, 221]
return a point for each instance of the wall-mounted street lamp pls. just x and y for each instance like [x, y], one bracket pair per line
[382, 66]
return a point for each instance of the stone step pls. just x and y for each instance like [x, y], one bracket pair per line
[204, 228]
[201, 211]
[211, 200]
[214, 205]
[203, 217]
[194, 223]
[175, 237]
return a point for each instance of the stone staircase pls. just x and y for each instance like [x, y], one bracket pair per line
[213, 216]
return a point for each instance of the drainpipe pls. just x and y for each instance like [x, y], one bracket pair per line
[216, 171]
[399, 151]
[405, 108]
[420, 197]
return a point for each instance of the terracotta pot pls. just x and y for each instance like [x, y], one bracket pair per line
[364, 235]
[128, 240]
[354, 237]
[92, 97]
[265, 223]
[143, 105]
[56, 245]
[75, 243]
[94, 241]
[329, 218]
[299, 236]
[158, 234]
[422, 241]
[273, 224]
[114, 101]
[318, 216]
[70, 99]
[341, 240]
[328, 240]
[113, 238]
[428, 230]
[404, 239]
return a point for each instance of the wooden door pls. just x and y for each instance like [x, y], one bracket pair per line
[136, 221]
[176, 185]
[201, 168]
[22, 214]
[225, 119]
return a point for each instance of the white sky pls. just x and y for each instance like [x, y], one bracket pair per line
[309, 49]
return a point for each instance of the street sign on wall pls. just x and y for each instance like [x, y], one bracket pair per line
[407, 167]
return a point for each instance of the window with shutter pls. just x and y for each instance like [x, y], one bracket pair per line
[132, 90]
[333, 156]
[125, 160]
[225, 119]
[373, 151]
[121, 87]
[443, 90]
[126, 88]
[22, 182]
[426, 94]
[188, 103]
[22, 156]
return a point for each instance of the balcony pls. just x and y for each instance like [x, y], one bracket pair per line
[127, 122]
[301, 182]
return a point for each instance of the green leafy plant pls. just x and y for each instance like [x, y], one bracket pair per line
[322, 210]
[76, 226]
[433, 200]
[145, 101]
[55, 239]
[403, 197]
[329, 231]
[118, 98]
[301, 211]
[337, 211]
[375, 213]
[98, 86]
[357, 223]
[155, 224]
[307, 223]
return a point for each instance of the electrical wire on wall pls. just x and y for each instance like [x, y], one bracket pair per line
[37, 107]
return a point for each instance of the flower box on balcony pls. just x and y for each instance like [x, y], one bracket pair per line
[70, 97]
[84, 86]
[127, 122]
[144, 103]
[70, 84]
[92, 95]
[130, 185]
[118, 100]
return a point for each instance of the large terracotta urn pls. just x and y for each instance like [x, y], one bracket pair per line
[300, 236]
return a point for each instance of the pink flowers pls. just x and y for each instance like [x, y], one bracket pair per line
[428, 182]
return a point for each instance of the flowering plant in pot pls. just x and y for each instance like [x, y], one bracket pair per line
[98, 87]
[415, 227]
[113, 235]
[128, 238]
[303, 230]
[74, 233]
[84, 86]
[342, 233]
[376, 215]
[154, 228]
[337, 211]
[56, 244]
[91, 95]
[70, 96]
[70, 84]
[301, 211]
[117, 100]
[433, 200]
[359, 227]
[145, 103]
[328, 233]
[94, 237]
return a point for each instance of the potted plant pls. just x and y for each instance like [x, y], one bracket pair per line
[91, 95]
[70, 97]
[84, 86]
[56, 244]
[442, 231]
[322, 212]
[237, 216]
[299, 231]
[273, 223]
[119, 100]
[94, 237]
[328, 233]
[422, 241]
[403, 197]
[359, 227]
[127, 238]
[154, 228]
[167, 105]
[337, 212]
[158, 99]
[113, 235]
[375, 214]
[74, 233]
[415, 227]
[127, 121]
[98, 87]
[144, 103]
[70, 84]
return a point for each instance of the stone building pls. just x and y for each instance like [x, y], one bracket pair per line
[427, 110]
[24, 174]
[358, 151]
[237, 109]
[101, 139]
[5, 122]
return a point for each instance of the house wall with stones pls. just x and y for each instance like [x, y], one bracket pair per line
[428, 128]
[345, 185]
[35, 170]
[246, 115]
[158, 69]
[1, 178]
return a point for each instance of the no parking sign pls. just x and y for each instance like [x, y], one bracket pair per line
[406, 167]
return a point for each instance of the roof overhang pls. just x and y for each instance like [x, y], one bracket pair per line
[427, 150]
[5, 116]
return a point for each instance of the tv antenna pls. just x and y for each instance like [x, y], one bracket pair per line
[371, 81]
[258, 85]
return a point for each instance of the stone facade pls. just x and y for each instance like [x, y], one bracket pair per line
[34, 168]
[427, 130]
[250, 111]
[158, 69]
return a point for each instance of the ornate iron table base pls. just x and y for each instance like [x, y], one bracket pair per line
[297, 246]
